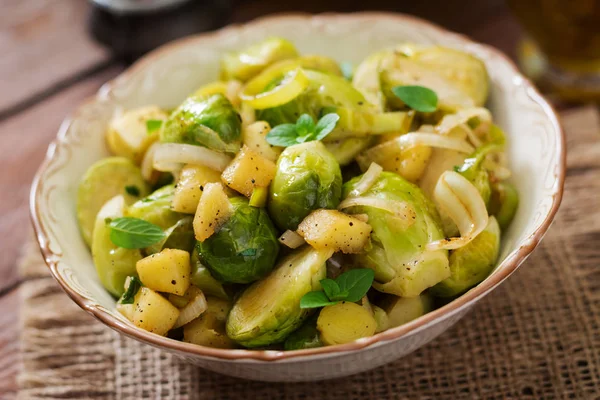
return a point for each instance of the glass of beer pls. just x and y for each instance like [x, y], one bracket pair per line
[562, 50]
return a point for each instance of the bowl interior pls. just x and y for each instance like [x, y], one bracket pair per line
[168, 75]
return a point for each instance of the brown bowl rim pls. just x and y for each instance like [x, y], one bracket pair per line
[506, 268]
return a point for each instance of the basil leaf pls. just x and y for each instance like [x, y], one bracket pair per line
[347, 70]
[418, 98]
[132, 286]
[132, 190]
[282, 135]
[356, 283]
[305, 125]
[152, 125]
[326, 125]
[134, 233]
[247, 253]
[315, 300]
[330, 287]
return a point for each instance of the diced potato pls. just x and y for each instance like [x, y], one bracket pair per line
[209, 328]
[248, 170]
[335, 230]
[127, 134]
[126, 310]
[167, 271]
[344, 323]
[255, 137]
[190, 186]
[153, 312]
[410, 163]
[213, 210]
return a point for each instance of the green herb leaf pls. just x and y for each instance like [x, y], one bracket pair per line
[356, 283]
[152, 125]
[347, 70]
[132, 286]
[315, 300]
[282, 135]
[330, 287]
[134, 233]
[247, 253]
[418, 98]
[326, 125]
[133, 190]
[305, 125]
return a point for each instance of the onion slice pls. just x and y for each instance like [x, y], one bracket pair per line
[462, 203]
[399, 209]
[367, 180]
[171, 157]
[291, 239]
[434, 140]
[192, 310]
[451, 121]
[147, 166]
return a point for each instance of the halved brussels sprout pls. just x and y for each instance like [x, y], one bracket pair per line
[104, 180]
[398, 252]
[459, 79]
[113, 264]
[269, 310]
[401, 310]
[210, 121]
[504, 203]
[305, 337]
[245, 247]
[156, 208]
[471, 263]
[308, 177]
[249, 62]
[345, 322]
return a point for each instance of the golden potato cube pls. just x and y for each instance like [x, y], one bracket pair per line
[153, 312]
[335, 230]
[410, 163]
[190, 186]
[209, 328]
[127, 134]
[248, 170]
[255, 137]
[167, 271]
[213, 210]
[126, 310]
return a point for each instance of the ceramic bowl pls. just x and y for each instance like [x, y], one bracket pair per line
[536, 152]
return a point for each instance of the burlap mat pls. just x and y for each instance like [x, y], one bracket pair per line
[536, 337]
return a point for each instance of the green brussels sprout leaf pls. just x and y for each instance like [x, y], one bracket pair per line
[152, 125]
[418, 98]
[134, 233]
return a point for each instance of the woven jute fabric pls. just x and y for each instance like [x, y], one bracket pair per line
[536, 337]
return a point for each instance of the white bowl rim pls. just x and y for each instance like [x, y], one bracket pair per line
[505, 269]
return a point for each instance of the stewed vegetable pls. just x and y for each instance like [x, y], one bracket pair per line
[298, 202]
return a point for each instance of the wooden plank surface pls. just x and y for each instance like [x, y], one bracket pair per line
[27, 136]
[43, 44]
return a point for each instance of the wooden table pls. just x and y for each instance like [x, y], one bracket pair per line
[49, 64]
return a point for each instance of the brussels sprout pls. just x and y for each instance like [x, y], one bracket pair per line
[102, 181]
[249, 62]
[209, 121]
[269, 310]
[346, 150]
[504, 203]
[473, 170]
[179, 236]
[245, 248]
[305, 337]
[398, 252]
[308, 177]
[471, 263]
[113, 264]
[201, 278]
[345, 322]
[400, 310]
[323, 92]
[459, 79]
[156, 208]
